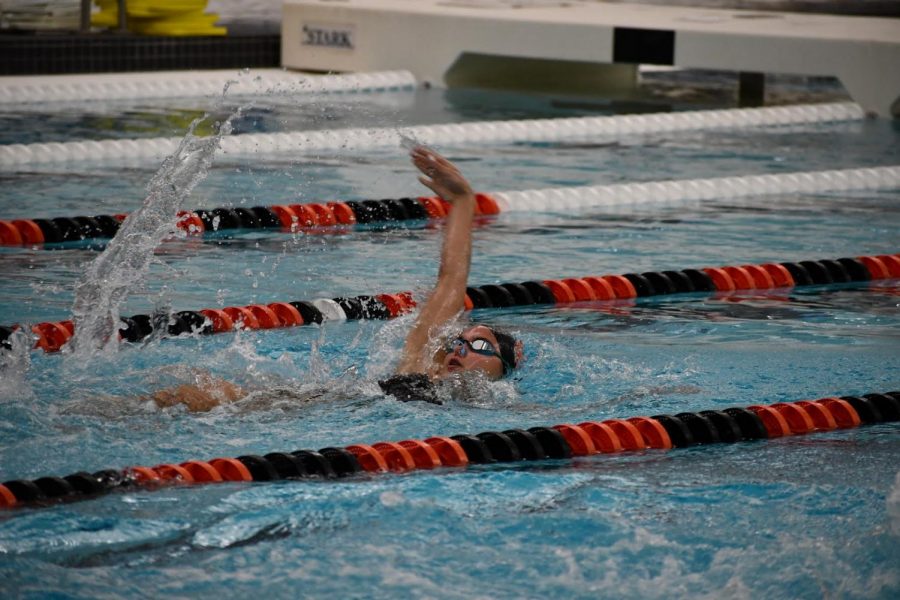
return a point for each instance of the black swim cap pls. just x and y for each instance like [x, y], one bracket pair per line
[507, 349]
[410, 387]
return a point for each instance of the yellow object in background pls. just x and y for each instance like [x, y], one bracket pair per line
[154, 8]
[160, 17]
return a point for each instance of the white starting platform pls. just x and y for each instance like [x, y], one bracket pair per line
[592, 44]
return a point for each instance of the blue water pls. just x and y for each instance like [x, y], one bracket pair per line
[807, 516]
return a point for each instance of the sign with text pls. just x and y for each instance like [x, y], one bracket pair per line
[328, 35]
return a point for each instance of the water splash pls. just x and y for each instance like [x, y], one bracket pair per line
[893, 505]
[113, 275]
[15, 361]
[408, 140]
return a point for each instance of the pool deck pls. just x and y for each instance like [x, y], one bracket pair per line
[430, 37]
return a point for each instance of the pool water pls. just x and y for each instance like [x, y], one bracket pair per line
[806, 516]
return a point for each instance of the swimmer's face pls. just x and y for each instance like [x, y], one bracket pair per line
[463, 358]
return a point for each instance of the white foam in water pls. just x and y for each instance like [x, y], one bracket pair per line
[120, 269]
[14, 364]
[893, 506]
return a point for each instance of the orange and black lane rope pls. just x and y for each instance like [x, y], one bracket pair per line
[51, 336]
[557, 442]
[285, 217]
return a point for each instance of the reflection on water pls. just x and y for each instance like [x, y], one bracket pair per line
[160, 123]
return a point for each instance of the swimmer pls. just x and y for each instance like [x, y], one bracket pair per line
[480, 348]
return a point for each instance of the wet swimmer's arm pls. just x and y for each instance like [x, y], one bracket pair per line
[447, 298]
[207, 394]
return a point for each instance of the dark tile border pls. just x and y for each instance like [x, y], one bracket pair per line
[44, 54]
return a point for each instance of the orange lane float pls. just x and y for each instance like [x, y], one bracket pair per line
[324, 214]
[143, 474]
[742, 279]
[721, 279]
[450, 453]
[168, 472]
[621, 286]
[844, 415]
[891, 262]
[307, 216]
[7, 498]
[876, 267]
[286, 216]
[9, 234]
[761, 278]
[369, 458]
[343, 214]
[798, 420]
[822, 418]
[424, 456]
[433, 207]
[191, 223]
[774, 422]
[286, 314]
[602, 288]
[231, 469]
[654, 434]
[221, 321]
[561, 291]
[265, 316]
[628, 434]
[50, 336]
[397, 304]
[486, 205]
[781, 277]
[396, 456]
[581, 289]
[602, 435]
[30, 231]
[578, 439]
[202, 472]
[243, 316]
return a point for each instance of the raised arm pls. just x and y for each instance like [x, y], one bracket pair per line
[447, 298]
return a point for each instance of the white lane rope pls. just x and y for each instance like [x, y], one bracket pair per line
[717, 188]
[191, 84]
[530, 130]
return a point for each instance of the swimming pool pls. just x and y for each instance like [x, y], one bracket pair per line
[802, 516]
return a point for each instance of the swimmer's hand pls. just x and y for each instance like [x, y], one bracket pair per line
[441, 175]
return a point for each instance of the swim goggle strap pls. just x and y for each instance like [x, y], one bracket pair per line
[478, 346]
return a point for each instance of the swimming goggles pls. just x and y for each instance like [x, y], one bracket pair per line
[478, 346]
